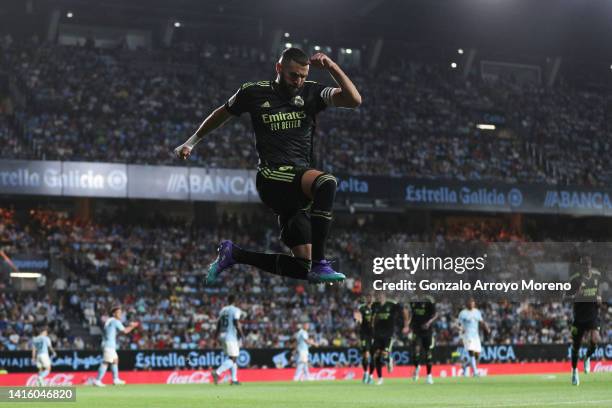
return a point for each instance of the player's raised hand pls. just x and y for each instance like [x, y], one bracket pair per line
[183, 152]
[320, 60]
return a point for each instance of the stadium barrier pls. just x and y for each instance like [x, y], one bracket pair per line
[97, 179]
[83, 360]
[286, 374]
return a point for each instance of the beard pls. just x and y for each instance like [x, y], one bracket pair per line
[287, 88]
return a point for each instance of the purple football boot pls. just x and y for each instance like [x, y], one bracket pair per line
[224, 261]
[322, 272]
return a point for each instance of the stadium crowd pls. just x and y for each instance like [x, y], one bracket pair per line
[154, 269]
[417, 120]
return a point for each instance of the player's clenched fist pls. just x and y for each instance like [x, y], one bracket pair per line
[183, 152]
[320, 60]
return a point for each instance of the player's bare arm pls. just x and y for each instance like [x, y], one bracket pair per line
[428, 323]
[346, 95]
[406, 318]
[239, 330]
[357, 316]
[131, 327]
[213, 121]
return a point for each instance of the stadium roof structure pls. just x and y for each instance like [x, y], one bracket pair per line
[545, 27]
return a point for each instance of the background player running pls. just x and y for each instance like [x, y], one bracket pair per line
[283, 114]
[363, 316]
[387, 315]
[471, 320]
[587, 302]
[422, 315]
[41, 346]
[303, 343]
[229, 332]
[112, 326]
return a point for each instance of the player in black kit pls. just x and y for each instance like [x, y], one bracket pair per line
[363, 316]
[283, 114]
[387, 316]
[422, 315]
[585, 293]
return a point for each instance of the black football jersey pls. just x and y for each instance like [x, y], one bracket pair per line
[283, 125]
[386, 317]
[365, 329]
[421, 311]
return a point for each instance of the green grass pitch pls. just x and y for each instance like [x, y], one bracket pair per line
[595, 390]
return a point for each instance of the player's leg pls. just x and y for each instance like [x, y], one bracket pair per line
[365, 360]
[577, 334]
[379, 362]
[234, 371]
[305, 367]
[415, 351]
[321, 188]
[389, 356]
[115, 370]
[280, 189]
[108, 356]
[373, 358]
[298, 367]
[43, 370]
[226, 365]
[428, 345]
[475, 356]
[593, 339]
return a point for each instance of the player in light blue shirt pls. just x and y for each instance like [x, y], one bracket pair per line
[229, 332]
[303, 343]
[112, 327]
[41, 345]
[470, 320]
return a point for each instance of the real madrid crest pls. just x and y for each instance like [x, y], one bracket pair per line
[297, 101]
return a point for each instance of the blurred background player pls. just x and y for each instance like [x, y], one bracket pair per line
[471, 320]
[587, 301]
[283, 113]
[422, 315]
[387, 315]
[41, 346]
[229, 332]
[363, 316]
[112, 326]
[303, 342]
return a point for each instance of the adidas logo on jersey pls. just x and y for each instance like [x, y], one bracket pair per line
[266, 104]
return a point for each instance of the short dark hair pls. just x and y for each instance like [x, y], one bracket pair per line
[114, 309]
[294, 54]
[231, 299]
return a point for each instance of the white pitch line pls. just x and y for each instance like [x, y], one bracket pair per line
[543, 403]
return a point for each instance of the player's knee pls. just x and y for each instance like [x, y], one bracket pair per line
[324, 186]
[295, 229]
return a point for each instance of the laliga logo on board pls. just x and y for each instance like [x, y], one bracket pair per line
[197, 377]
[55, 380]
